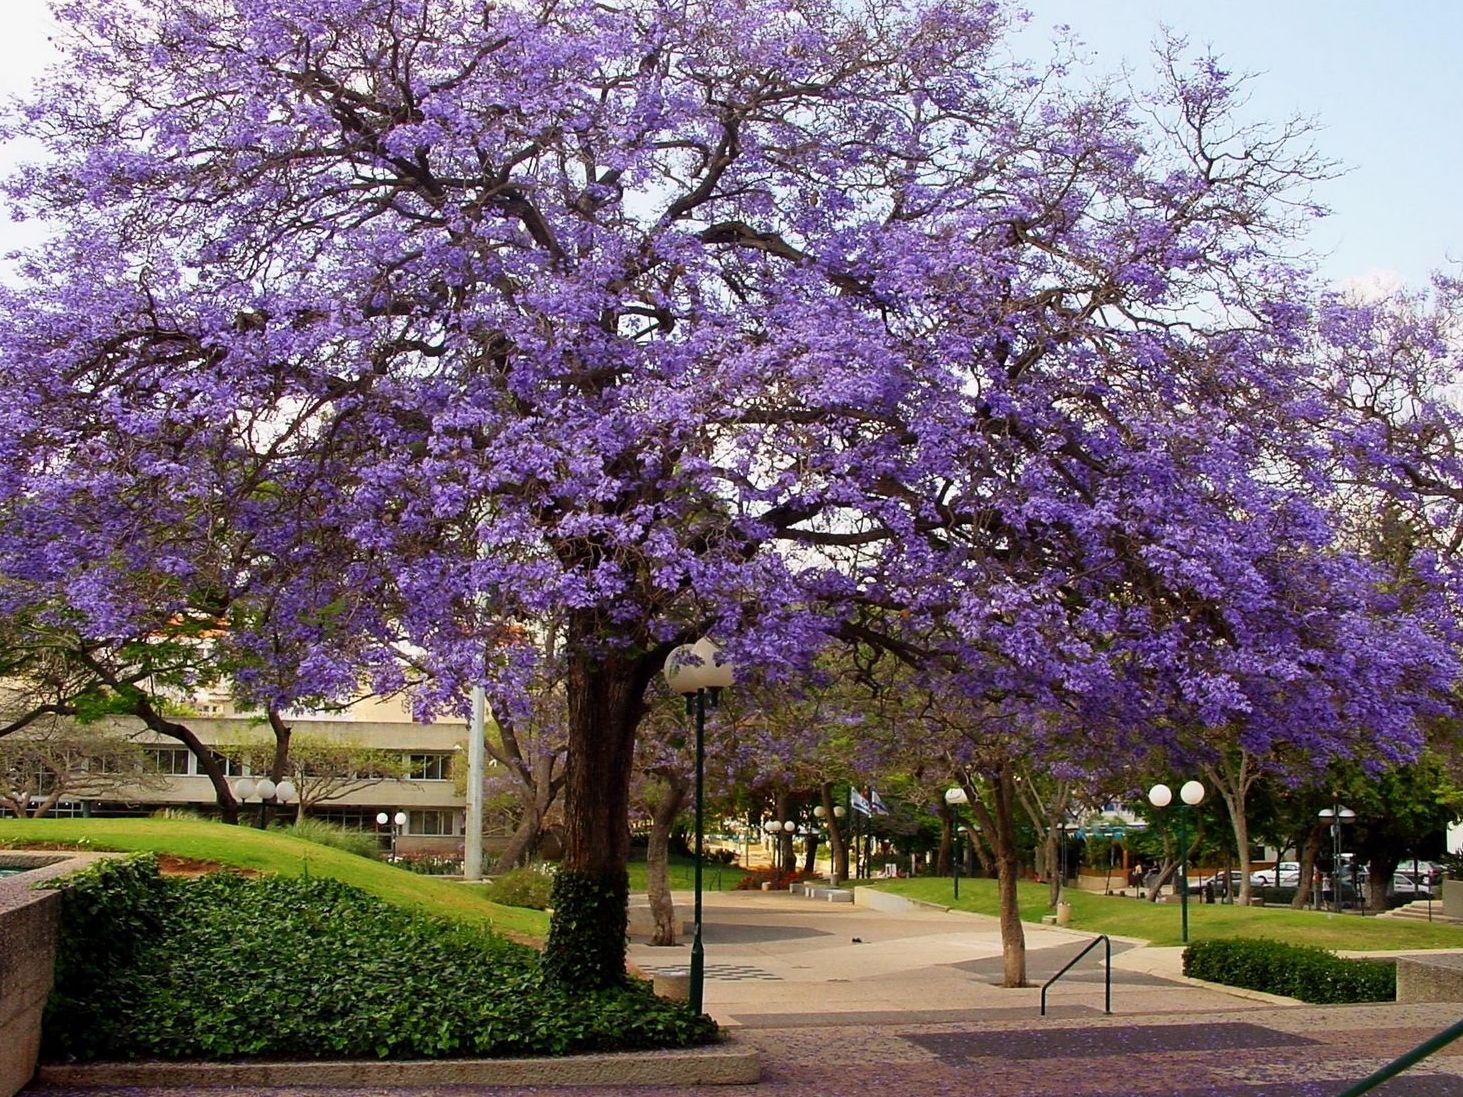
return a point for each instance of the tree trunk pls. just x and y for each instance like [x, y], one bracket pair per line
[1380, 871]
[605, 690]
[1013, 936]
[1000, 820]
[657, 856]
[1051, 852]
[1309, 853]
[536, 799]
[787, 855]
[228, 807]
[1234, 781]
[837, 850]
[523, 838]
[1166, 872]
[982, 855]
[810, 854]
[281, 746]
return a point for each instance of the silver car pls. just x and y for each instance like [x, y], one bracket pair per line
[1288, 876]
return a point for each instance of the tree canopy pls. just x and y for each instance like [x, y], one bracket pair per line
[381, 327]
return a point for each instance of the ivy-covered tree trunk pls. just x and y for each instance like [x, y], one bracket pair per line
[605, 692]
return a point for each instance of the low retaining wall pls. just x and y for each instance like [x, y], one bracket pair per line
[1453, 899]
[875, 899]
[28, 922]
[719, 1066]
[1430, 978]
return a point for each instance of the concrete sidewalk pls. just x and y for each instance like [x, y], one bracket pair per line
[909, 1002]
[774, 958]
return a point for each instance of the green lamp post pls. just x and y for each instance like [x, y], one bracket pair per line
[697, 671]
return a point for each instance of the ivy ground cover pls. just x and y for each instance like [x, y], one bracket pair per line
[229, 967]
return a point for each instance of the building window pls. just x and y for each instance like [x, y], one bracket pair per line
[176, 761]
[429, 822]
[428, 767]
[232, 767]
[353, 818]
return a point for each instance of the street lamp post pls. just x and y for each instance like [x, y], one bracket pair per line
[696, 671]
[267, 792]
[1334, 816]
[773, 829]
[398, 821]
[1192, 794]
[956, 796]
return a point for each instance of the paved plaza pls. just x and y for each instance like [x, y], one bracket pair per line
[841, 999]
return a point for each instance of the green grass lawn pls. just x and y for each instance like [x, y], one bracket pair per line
[683, 873]
[270, 851]
[1159, 923]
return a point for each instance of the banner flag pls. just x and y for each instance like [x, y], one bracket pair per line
[858, 803]
[878, 805]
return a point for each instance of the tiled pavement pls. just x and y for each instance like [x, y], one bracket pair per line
[912, 1009]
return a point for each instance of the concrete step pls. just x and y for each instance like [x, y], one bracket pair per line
[1418, 912]
[822, 894]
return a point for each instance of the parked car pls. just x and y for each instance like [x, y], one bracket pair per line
[1423, 885]
[1288, 876]
[1225, 884]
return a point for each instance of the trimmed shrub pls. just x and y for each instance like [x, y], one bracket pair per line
[226, 967]
[523, 887]
[360, 842]
[1296, 971]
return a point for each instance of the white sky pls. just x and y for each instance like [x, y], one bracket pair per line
[1386, 89]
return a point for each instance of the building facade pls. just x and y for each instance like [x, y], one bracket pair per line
[426, 784]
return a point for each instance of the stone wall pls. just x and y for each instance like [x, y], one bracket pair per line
[1430, 978]
[1453, 899]
[28, 921]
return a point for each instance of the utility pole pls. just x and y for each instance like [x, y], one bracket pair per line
[472, 846]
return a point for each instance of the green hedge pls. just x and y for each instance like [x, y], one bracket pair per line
[226, 967]
[1295, 971]
[523, 887]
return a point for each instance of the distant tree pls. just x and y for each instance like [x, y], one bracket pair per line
[58, 760]
[321, 767]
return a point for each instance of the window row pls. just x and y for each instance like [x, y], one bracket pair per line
[179, 761]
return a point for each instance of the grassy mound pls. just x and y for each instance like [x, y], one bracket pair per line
[273, 852]
[229, 967]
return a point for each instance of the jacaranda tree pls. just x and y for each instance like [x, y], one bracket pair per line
[386, 329]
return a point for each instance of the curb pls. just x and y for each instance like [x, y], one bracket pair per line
[694, 1067]
[1243, 992]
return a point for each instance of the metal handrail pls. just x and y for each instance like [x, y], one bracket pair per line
[1402, 1062]
[1102, 938]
